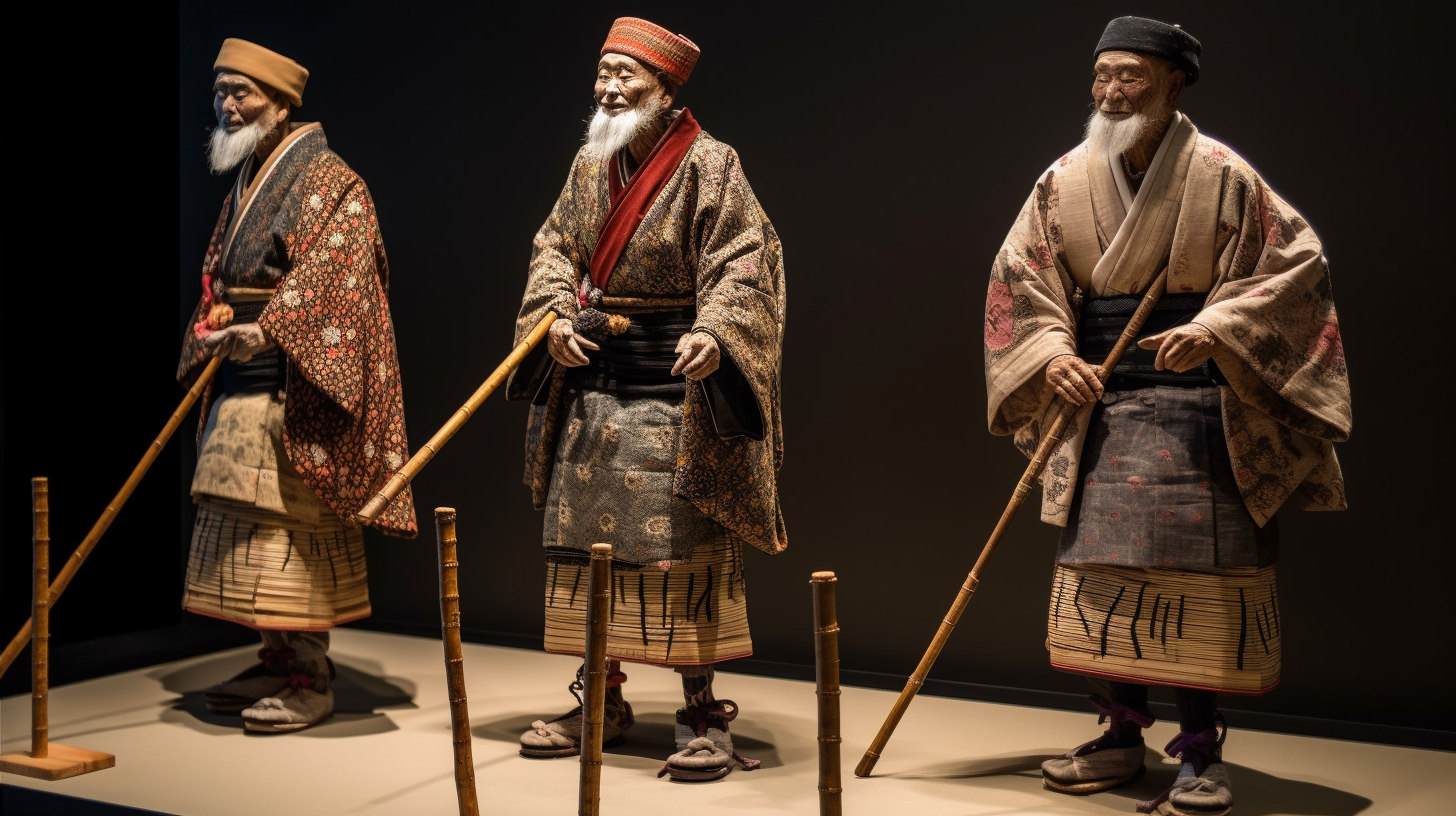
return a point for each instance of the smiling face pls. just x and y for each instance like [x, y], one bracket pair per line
[1125, 83]
[623, 83]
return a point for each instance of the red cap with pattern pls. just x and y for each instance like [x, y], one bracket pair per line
[653, 45]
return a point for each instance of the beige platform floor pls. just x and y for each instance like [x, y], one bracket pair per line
[387, 750]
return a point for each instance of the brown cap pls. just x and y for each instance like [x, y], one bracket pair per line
[274, 70]
[653, 45]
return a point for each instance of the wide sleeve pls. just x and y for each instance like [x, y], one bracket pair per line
[1030, 317]
[559, 259]
[1273, 313]
[740, 283]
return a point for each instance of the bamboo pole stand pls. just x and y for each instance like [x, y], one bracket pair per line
[46, 759]
[599, 589]
[455, 663]
[54, 590]
[826, 674]
[462, 415]
[1024, 486]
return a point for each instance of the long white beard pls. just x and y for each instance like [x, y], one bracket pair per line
[1113, 137]
[227, 150]
[606, 134]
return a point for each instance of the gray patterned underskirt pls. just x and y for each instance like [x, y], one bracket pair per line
[612, 481]
[1157, 488]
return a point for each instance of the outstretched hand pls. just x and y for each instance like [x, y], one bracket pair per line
[698, 355]
[238, 342]
[566, 345]
[1077, 381]
[1181, 347]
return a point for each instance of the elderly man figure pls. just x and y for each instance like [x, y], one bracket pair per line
[1169, 474]
[304, 421]
[654, 424]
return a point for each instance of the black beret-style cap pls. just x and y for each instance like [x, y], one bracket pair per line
[1145, 36]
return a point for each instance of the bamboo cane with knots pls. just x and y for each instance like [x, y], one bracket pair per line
[593, 712]
[1048, 444]
[826, 677]
[455, 662]
[63, 578]
[422, 457]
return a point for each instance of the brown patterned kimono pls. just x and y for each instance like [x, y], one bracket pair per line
[703, 241]
[1179, 479]
[306, 227]
[281, 472]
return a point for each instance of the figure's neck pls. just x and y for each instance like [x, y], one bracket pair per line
[642, 144]
[1139, 157]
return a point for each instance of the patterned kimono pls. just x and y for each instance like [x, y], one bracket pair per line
[655, 476]
[1168, 520]
[282, 472]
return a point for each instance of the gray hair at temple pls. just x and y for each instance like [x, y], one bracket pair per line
[1145, 36]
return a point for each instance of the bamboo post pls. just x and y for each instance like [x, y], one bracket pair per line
[1048, 444]
[422, 457]
[599, 590]
[46, 760]
[84, 549]
[455, 662]
[826, 662]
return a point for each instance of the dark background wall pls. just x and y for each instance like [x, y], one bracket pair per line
[892, 150]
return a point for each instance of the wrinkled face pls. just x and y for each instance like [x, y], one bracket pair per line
[238, 101]
[622, 83]
[1125, 83]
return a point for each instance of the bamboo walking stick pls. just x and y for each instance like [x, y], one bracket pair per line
[422, 457]
[455, 662]
[84, 549]
[40, 651]
[1048, 444]
[826, 661]
[593, 712]
[46, 760]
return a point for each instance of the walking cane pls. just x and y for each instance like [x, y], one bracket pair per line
[455, 662]
[46, 760]
[422, 457]
[1028, 478]
[599, 590]
[84, 549]
[826, 659]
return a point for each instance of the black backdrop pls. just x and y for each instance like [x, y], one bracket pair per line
[891, 149]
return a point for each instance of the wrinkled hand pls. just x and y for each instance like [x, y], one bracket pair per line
[1076, 380]
[1181, 347]
[566, 345]
[697, 356]
[238, 342]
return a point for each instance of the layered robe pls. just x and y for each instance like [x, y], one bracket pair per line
[1161, 601]
[703, 237]
[305, 229]
[1207, 216]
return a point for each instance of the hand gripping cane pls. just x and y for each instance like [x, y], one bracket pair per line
[1048, 444]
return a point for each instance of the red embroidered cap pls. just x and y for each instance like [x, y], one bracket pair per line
[653, 45]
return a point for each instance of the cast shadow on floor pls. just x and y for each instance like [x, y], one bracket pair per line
[361, 696]
[1255, 792]
[650, 737]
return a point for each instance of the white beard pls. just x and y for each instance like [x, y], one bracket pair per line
[606, 134]
[227, 150]
[1113, 137]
